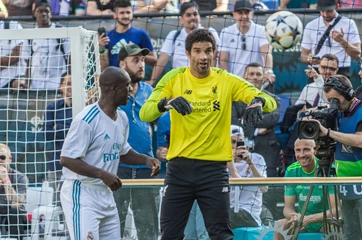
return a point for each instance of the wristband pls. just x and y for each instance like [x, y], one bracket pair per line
[328, 132]
[102, 51]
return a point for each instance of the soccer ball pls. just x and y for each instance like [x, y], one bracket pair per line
[283, 30]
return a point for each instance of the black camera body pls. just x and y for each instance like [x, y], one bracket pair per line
[249, 144]
[326, 116]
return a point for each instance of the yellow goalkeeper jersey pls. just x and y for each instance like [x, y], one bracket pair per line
[205, 133]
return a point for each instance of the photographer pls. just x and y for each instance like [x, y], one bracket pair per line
[348, 157]
[246, 165]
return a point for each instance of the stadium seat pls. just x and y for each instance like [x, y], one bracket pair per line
[246, 233]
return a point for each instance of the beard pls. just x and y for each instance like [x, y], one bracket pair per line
[124, 24]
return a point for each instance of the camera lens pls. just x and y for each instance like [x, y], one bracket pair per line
[310, 130]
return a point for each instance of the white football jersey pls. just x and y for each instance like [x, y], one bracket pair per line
[96, 139]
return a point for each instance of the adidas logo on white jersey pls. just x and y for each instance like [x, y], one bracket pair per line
[106, 137]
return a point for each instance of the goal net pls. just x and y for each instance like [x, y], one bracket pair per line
[51, 75]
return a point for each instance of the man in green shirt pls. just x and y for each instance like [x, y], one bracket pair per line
[305, 166]
[288, 4]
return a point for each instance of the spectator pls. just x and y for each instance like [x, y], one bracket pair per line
[348, 154]
[342, 39]
[350, 3]
[110, 43]
[3, 10]
[12, 58]
[250, 198]
[173, 47]
[13, 185]
[19, 7]
[312, 95]
[131, 59]
[266, 143]
[288, 4]
[98, 7]
[213, 5]
[306, 166]
[244, 42]
[65, 7]
[49, 57]
[57, 123]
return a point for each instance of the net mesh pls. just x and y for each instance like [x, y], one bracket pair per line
[36, 112]
[33, 122]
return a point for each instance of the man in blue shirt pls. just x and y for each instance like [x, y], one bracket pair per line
[110, 43]
[132, 59]
[58, 119]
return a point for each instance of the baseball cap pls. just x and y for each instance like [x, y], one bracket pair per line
[236, 131]
[39, 3]
[325, 5]
[243, 4]
[131, 49]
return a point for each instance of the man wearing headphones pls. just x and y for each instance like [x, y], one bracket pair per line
[348, 156]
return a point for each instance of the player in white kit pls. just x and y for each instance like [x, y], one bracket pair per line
[96, 142]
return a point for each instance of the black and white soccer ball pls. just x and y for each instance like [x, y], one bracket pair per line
[283, 30]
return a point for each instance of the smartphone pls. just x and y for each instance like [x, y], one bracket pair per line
[316, 58]
[101, 30]
[240, 143]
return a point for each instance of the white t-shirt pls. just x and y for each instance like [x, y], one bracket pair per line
[310, 91]
[250, 197]
[314, 31]
[231, 42]
[177, 50]
[6, 48]
[48, 62]
[96, 139]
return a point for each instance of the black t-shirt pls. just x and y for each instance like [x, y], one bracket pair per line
[105, 6]
[206, 5]
[20, 183]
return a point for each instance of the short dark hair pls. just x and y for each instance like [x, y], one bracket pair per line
[121, 4]
[342, 79]
[41, 3]
[253, 64]
[199, 35]
[64, 75]
[187, 5]
[331, 57]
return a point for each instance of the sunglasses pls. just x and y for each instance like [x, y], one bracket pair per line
[3, 157]
[327, 67]
[243, 41]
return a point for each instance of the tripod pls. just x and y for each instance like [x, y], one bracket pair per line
[325, 154]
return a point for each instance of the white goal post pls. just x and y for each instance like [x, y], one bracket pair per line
[83, 42]
[25, 124]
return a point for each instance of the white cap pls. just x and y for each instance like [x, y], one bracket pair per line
[236, 131]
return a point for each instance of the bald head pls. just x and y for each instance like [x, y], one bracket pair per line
[4, 149]
[113, 76]
[307, 142]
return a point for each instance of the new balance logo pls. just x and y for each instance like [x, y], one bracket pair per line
[188, 91]
[106, 137]
[216, 105]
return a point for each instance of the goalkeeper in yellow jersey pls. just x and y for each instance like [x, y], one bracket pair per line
[200, 99]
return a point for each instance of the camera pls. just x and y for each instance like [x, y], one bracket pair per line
[326, 116]
[249, 144]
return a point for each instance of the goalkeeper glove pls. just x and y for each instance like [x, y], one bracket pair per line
[253, 115]
[180, 104]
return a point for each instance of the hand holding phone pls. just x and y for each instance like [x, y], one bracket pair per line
[101, 30]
